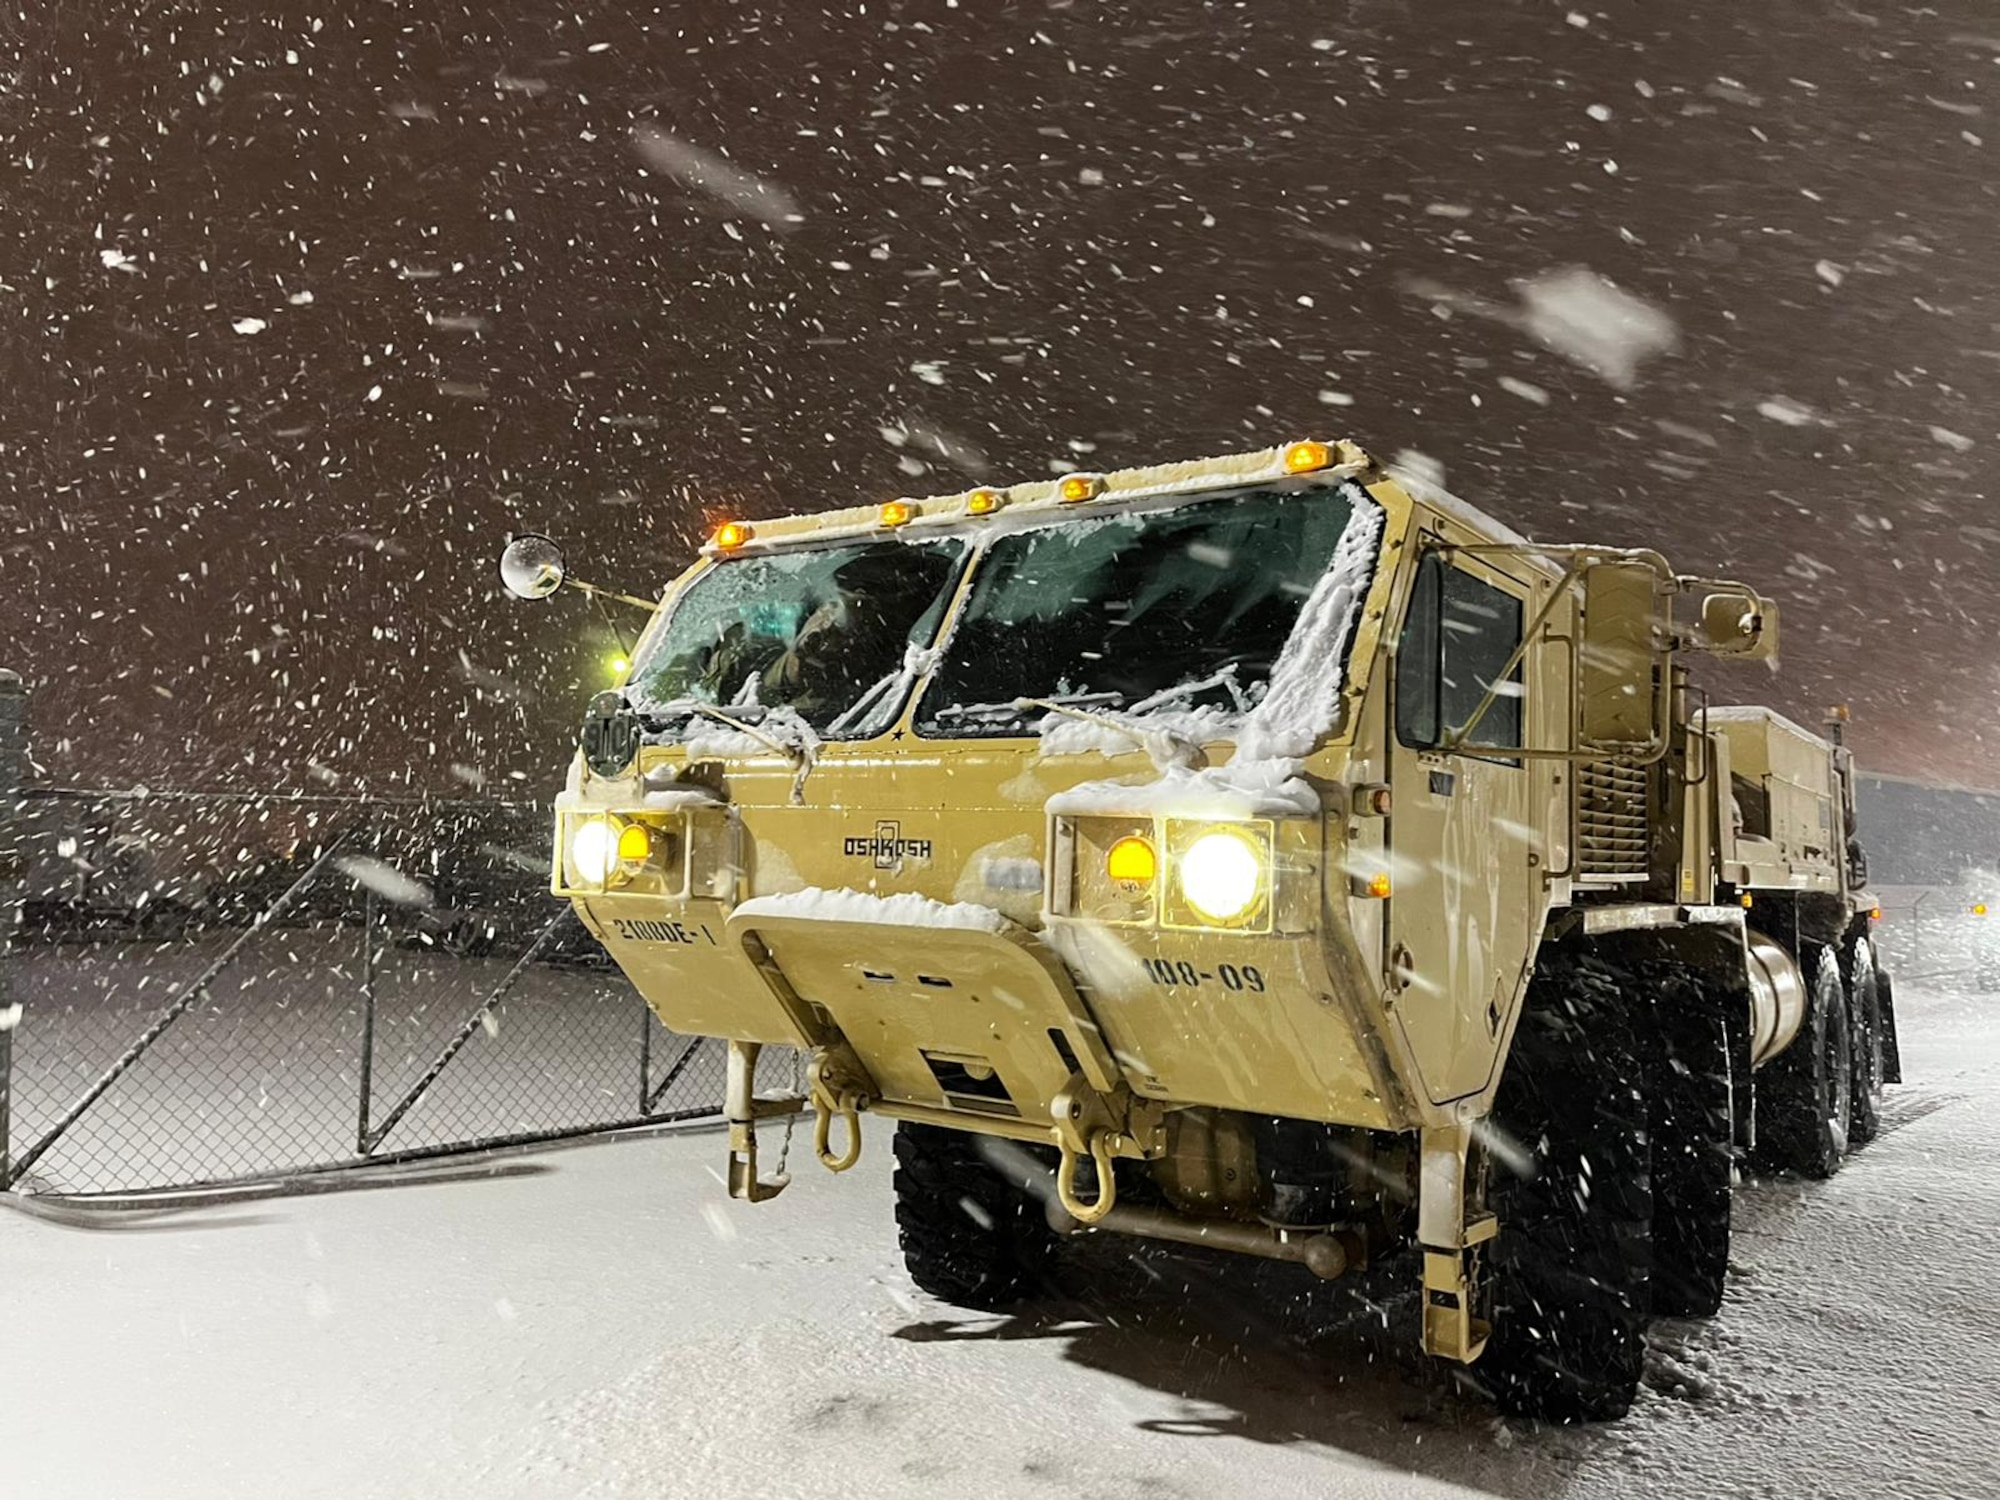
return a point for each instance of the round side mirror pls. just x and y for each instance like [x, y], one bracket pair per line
[531, 567]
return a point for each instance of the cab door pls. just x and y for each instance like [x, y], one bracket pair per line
[1463, 834]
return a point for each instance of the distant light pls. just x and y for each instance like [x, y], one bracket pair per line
[1979, 908]
[896, 513]
[1075, 487]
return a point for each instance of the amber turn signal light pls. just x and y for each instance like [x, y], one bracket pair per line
[1131, 859]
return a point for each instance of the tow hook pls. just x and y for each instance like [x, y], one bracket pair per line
[848, 1108]
[1107, 1182]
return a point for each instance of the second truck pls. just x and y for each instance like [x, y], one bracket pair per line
[1270, 853]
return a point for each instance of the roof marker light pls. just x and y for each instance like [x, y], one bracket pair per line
[732, 534]
[896, 513]
[1075, 487]
[984, 502]
[1303, 458]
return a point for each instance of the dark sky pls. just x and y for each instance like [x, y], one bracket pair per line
[303, 307]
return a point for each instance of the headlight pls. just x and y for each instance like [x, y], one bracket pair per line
[593, 850]
[1222, 876]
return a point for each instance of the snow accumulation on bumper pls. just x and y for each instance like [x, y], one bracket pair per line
[908, 910]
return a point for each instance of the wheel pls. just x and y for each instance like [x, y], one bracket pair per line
[969, 1235]
[1570, 1181]
[1689, 1111]
[1864, 1006]
[1805, 1099]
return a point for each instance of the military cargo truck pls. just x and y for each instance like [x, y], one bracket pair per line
[1268, 853]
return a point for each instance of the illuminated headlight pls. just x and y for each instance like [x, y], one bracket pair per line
[1224, 876]
[593, 850]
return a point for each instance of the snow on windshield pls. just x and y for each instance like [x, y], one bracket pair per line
[1183, 623]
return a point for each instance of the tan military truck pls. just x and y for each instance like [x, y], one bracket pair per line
[1268, 853]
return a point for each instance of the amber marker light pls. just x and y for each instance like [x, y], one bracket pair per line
[1075, 487]
[1303, 458]
[635, 842]
[1875, 914]
[1132, 859]
[1979, 908]
[984, 502]
[731, 534]
[897, 513]
[1378, 887]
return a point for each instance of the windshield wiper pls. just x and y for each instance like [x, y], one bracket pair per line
[1012, 710]
[1168, 747]
[802, 757]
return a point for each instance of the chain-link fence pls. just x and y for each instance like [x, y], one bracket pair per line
[211, 988]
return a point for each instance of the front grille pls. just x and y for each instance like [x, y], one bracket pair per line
[1611, 821]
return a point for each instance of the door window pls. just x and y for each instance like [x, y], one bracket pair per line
[1457, 638]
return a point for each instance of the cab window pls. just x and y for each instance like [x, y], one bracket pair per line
[1457, 638]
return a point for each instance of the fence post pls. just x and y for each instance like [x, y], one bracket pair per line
[13, 867]
[367, 1018]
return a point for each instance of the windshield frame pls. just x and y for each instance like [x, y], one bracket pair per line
[1396, 504]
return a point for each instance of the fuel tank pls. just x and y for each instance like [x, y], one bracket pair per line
[1778, 997]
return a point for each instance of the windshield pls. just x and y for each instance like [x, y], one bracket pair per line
[831, 635]
[1173, 616]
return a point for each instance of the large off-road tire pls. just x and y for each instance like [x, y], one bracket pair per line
[970, 1236]
[1864, 1008]
[1805, 1095]
[1570, 1181]
[1689, 1111]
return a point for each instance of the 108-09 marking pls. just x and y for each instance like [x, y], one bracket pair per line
[1180, 972]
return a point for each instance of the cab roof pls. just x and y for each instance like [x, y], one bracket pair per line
[1082, 492]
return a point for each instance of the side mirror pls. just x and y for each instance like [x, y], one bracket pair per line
[1739, 624]
[531, 567]
[1621, 703]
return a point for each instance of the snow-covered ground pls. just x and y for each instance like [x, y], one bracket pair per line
[601, 1321]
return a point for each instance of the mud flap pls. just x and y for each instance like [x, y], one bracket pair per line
[1892, 1052]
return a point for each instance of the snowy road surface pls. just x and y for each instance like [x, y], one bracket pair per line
[601, 1321]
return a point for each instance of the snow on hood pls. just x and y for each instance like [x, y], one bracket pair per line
[906, 910]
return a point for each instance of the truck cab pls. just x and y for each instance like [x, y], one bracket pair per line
[1242, 852]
